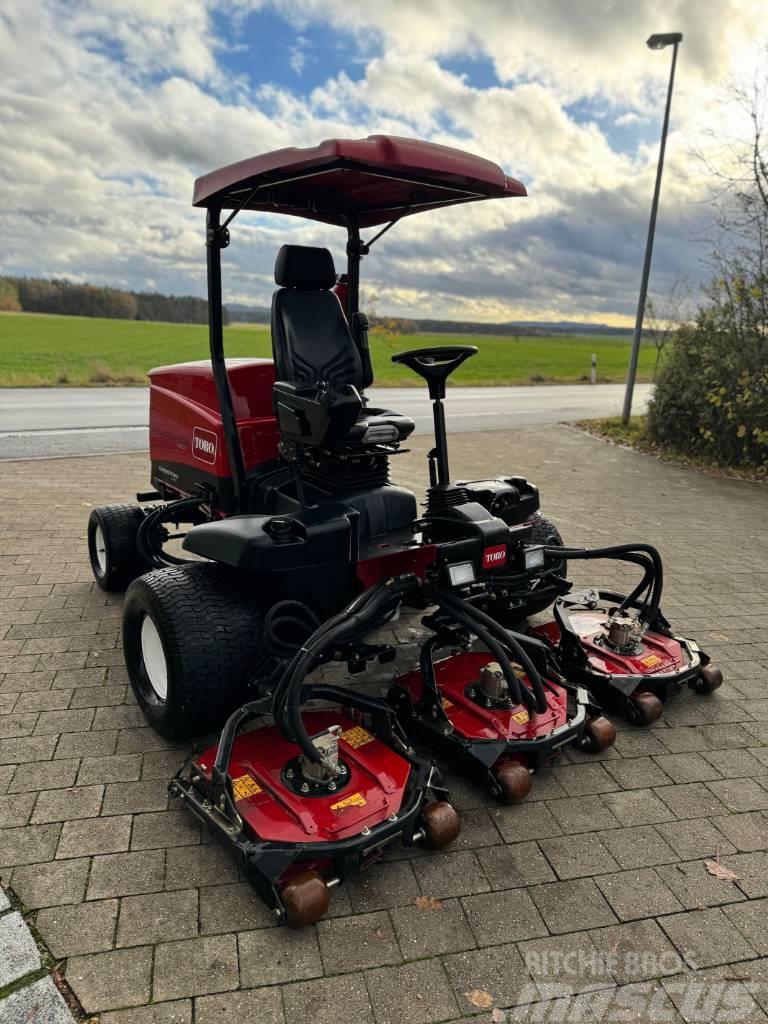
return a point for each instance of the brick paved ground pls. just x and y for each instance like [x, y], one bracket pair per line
[605, 856]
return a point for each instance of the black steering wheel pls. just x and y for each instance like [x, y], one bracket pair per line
[435, 365]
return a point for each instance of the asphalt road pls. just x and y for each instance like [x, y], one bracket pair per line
[50, 422]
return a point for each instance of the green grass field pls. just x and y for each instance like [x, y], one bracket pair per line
[38, 350]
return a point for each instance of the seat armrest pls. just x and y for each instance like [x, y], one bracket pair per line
[314, 414]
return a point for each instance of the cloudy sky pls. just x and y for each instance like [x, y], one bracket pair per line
[110, 108]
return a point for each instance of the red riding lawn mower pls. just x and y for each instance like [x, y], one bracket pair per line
[301, 547]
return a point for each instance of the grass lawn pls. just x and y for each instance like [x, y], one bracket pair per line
[39, 350]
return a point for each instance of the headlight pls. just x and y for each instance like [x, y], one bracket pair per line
[534, 558]
[460, 573]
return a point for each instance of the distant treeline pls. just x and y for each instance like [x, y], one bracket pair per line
[37, 295]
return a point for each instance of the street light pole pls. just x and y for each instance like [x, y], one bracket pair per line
[656, 42]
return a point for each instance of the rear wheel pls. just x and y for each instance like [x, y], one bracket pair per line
[709, 679]
[644, 708]
[441, 824]
[513, 780]
[192, 644]
[115, 560]
[599, 734]
[305, 899]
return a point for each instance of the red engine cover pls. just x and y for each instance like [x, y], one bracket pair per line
[475, 722]
[273, 811]
[656, 654]
[185, 425]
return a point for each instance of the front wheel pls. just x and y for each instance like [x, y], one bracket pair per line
[192, 641]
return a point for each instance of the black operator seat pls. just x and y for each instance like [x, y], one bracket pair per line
[312, 343]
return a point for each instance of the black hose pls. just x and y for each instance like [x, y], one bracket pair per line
[146, 541]
[488, 629]
[615, 552]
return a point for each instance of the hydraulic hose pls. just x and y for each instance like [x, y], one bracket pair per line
[362, 614]
[146, 542]
[497, 639]
[619, 552]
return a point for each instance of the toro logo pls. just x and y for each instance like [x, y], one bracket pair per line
[494, 556]
[204, 443]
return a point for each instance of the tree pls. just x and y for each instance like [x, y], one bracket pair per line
[9, 296]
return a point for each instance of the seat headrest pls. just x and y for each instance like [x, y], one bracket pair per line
[304, 267]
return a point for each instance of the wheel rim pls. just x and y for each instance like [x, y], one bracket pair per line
[100, 547]
[153, 656]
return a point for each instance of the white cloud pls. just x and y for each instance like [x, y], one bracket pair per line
[110, 109]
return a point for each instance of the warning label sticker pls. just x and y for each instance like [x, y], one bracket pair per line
[245, 786]
[521, 717]
[446, 703]
[651, 660]
[356, 800]
[356, 737]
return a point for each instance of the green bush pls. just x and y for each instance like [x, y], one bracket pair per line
[711, 394]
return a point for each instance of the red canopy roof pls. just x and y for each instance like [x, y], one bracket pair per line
[367, 181]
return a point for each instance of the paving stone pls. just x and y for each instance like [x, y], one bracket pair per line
[352, 943]
[695, 887]
[179, 1011]
[637, 846]
[383, 885]
[52, 884]
[638, 893]
[57, 722]
[477, 830]
[19, 749]
[637, 773]
[105, 981]
[740, 794]
[518, 864]
[637, 951]
[188, 866]
[497, 970]
[83, 928]
[418, 993]
[135, 797]
[582, 814]
[499, 917]
[271, 956]
[195, 967]
[752, 869]
[124, 874]
[571, 906]
[565, 964]
[15, 809]
[694, 837]
[322, 1002]
[94, 835]
[750, 919]
[4, 901]
[637, 807]
[690, 801]
[645, 1002]
[234, 907]
[747, 832]
[20, 954]
[112, 768]
[28, 845]
[734, 764]
[430, 932]
[86, 744]
[164, 828]
[450, 874]
[689, 767]
[67, 804]
[37, 775]
[585, 779]
[159, 917]
[578, 856]
[706, 937]
[702, 995]
[526, 821]
[39, 1003]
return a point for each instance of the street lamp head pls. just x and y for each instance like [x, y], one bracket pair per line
[661, 39]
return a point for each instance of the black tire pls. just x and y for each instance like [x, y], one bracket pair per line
[115, 560]
[209, 630]
[544, 532]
